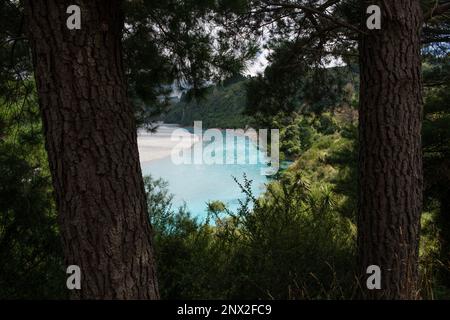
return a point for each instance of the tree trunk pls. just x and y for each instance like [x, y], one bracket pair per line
[390, 114]
[92, 148]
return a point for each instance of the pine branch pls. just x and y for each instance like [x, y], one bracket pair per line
[437, 11]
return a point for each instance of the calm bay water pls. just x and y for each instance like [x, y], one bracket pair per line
[197, 184]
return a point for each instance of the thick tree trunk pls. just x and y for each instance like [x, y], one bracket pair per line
[91, 142]
[390, 200]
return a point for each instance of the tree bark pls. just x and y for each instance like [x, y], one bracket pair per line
[390, 115]
[91, 142]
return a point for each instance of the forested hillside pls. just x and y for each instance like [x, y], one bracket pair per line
[220, 106]
[363, 112]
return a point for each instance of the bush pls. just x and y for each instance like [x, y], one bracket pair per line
[31, 259]
[290, 245]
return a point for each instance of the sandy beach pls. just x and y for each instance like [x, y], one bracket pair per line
[159, 145]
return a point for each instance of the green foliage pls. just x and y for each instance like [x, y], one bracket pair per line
[436, 146]
[295, 244]
[330, 160]
[216, 207]
[297, 240]
[307, 90]
[30, 247]
[185, 259]
[172, 44]
[166, 45]
[290, 245]
[15, 63]
[221, 107]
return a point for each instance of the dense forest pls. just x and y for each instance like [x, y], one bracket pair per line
[220, 107]
[363, 114]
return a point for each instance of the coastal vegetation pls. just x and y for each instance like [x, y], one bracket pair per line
[369, 179]
[296, 241]
[221, 106]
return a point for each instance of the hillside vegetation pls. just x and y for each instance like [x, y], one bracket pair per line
[221, 106]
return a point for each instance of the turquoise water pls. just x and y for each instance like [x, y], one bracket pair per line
[197, 184]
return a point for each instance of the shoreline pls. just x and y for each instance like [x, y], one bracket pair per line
[159, 145]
